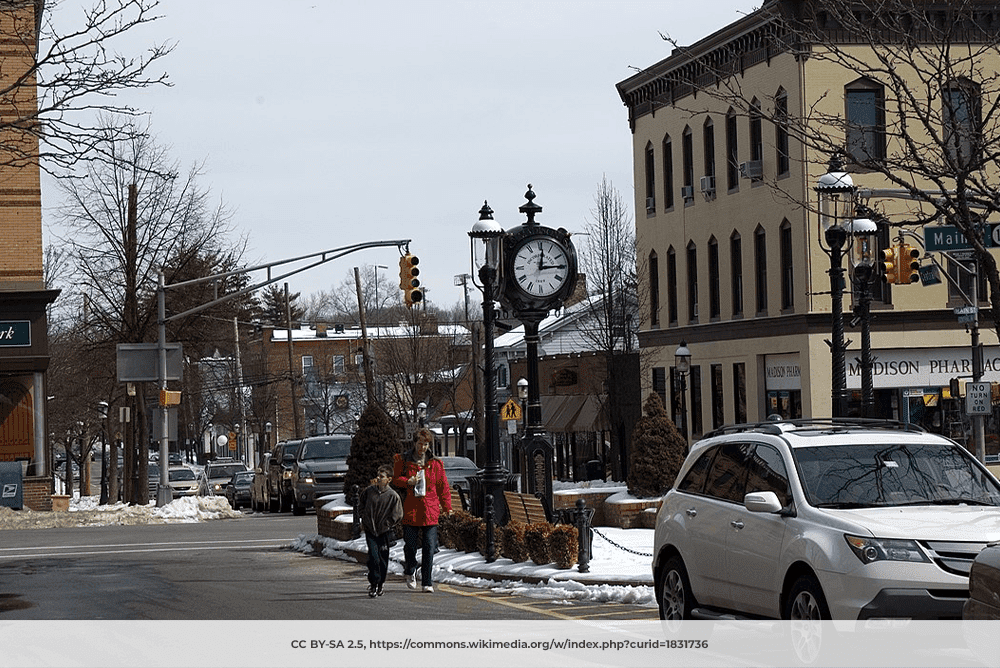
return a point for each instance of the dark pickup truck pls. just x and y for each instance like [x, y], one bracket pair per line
[279, 476]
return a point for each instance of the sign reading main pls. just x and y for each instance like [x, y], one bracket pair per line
[947, 237]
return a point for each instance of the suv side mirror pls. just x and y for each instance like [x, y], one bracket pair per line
[762, 502]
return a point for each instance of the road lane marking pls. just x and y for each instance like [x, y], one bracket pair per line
[172, 542]
[70, 551]
[510, 604]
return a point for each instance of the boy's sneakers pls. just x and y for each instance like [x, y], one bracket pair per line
[372, 591]
[411, 580]
[429, 589]
[378, 589]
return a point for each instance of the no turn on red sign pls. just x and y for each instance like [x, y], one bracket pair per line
[978, 399]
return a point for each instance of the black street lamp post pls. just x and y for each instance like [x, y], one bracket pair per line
[682, 363]
[832, 185]
[489, 232]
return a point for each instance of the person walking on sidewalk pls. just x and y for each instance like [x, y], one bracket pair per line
[427, 495]
[380, 510]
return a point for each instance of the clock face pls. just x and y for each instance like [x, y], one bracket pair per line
[541, 267]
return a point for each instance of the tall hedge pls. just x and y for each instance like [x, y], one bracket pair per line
[374, 443]
[658, 450]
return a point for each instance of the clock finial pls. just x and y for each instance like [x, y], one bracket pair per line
[530, 208]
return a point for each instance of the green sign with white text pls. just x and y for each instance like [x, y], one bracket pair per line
[15, 333]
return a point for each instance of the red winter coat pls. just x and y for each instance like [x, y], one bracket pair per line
[422, 511]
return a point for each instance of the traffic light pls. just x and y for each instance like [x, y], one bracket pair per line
[888, 265]
[408, 281]
[909, 264]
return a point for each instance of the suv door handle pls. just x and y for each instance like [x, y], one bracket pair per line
[737, 524]
[691, 512]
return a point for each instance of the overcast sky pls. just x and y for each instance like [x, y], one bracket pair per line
[325, 123]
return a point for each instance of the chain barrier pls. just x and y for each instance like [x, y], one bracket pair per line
[620, 547]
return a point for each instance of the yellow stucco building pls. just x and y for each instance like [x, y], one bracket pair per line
[730, 240]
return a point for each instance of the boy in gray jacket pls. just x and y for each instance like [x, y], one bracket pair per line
[380, 510]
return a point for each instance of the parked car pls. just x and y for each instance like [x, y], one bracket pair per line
[258, 490]
[238, 489]
[984, 586]
[459, 470]
[279, 476]
[320, 468]
[183, 481]
[823, 519]
[217, 474]
[175, 459]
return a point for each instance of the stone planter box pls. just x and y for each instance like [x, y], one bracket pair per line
[60, 503]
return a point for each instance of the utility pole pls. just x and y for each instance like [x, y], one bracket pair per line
[365, 356]
[291, 366]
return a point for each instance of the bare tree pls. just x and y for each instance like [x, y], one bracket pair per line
[116, 257]
[931, 69]
[612, 310]
[72, 63]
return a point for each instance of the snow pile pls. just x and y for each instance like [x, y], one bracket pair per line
[87, 511]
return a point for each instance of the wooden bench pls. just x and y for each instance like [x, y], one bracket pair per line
[525, 508]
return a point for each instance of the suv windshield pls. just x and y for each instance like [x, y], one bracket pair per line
[181, 474]
[327, 449]
[225, 471]
[857, 475]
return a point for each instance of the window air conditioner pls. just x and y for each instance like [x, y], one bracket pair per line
[752, 169]
[708, 185]
[650, 204]
[687, 192]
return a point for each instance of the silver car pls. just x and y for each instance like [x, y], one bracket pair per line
[823, 519]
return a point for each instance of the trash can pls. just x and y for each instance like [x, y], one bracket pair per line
[11, 485]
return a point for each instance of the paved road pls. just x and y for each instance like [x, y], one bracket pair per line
[228, 570]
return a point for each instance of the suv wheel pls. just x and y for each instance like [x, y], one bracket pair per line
[298, 509]
[806, 601]
[285, 503]
[676, 599]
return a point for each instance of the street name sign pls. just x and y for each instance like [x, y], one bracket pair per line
[947, 237]
[978, 399]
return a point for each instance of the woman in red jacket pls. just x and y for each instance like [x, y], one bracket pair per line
[422, 475]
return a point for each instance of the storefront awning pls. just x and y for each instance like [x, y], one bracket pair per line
[572, 413]
[558, 411]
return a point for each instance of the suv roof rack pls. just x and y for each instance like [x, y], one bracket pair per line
[783, 425]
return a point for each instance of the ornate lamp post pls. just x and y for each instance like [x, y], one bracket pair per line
[863, 232]
[489, 232]
[834, 185]
[682, 362]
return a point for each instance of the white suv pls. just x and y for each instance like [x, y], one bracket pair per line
[823, 519]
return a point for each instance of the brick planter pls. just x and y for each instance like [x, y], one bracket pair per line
[631, 514]
[336, 522]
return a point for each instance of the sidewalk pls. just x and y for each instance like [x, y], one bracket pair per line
[620, 568]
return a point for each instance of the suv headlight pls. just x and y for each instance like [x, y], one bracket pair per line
[885, 549]
[306, 477]
[287, 474]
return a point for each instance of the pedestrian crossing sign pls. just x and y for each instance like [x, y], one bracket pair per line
[511, 410]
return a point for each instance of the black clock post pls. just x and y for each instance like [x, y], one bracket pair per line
[539, 275]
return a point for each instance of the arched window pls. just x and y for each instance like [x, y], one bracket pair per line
[650, 179]
[654, 290]
[961, 114]
[687, 156]
[732, 152]
[787, 273]
[668, 173]
[865, 114]
[714, 305]
[736, 272]
[781, 132]
[672, 286]
[708, 143]
[760, 268]
[692, 281]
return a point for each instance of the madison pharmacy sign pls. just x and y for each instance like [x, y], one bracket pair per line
[932, 367]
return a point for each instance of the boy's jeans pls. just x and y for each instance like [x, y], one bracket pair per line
[378, 556]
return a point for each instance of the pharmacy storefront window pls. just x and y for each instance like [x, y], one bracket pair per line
[783, 381]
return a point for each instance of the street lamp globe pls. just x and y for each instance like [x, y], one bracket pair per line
[522, 389]
[682, 358]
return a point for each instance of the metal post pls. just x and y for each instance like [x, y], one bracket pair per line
[583, 537]
[490, 518]
[163, 493]
[978, 431]
[493, 478]
[836, 237]
[863, 274]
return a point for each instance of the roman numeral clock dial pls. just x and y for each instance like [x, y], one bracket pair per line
[541, 267]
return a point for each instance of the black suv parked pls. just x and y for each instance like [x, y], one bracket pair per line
[320, 468]
[279, 476]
